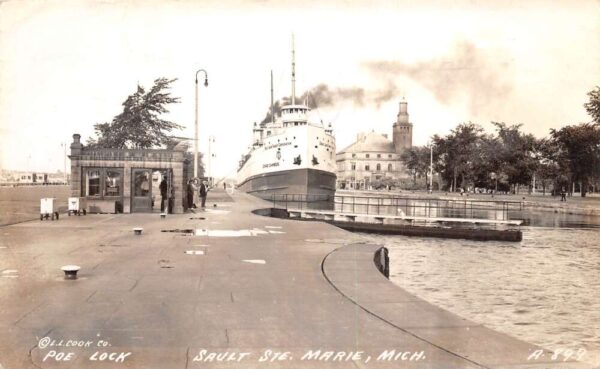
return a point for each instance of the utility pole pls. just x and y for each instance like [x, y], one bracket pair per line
[196, 122]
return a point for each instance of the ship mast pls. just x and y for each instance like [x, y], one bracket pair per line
[272, 108]
[293, 72]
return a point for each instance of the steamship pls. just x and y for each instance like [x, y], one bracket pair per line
[290, 154]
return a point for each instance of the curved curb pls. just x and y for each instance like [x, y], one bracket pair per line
[364, 257]
[352, 271]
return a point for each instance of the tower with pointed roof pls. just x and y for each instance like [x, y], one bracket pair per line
[402, 130]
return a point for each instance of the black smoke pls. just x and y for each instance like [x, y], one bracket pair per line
[467, 71]
[323, 95]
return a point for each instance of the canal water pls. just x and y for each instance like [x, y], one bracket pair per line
[544, 290]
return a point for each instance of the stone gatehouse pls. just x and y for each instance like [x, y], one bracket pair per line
[128, 180]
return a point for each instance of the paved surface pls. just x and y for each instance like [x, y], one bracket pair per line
[19, 204]
[253, 287]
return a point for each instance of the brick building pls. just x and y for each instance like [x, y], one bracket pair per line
[127, 180]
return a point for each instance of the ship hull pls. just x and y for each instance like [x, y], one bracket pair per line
[318, 184]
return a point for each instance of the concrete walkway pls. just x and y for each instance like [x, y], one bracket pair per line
[244, 290]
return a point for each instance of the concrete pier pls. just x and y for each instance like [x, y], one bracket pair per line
[256, 292]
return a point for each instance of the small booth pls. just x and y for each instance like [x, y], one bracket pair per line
[129, 180]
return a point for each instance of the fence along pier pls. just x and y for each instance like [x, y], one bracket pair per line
[471, 219]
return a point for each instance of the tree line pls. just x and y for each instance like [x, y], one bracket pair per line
[509, 159]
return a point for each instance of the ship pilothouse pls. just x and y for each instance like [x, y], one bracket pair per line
[289, 154]
[291, 116]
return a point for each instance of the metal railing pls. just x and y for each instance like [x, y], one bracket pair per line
[402, 206]
[303, 201]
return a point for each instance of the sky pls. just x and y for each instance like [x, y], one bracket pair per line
[66, 65]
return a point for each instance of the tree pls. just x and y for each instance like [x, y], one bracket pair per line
[416, 160]
[515, 154]
[458, 154]
[139, 125]
[578, 152]
[593, 105]
[487, 168]
[550, 169]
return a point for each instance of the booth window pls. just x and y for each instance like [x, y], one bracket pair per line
[103, 182]
[112, 183]
[92, 183]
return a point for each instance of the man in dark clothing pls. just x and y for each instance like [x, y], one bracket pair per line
[190, 194]
[202, 192]
[163, 194]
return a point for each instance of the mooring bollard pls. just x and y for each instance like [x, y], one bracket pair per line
[70, 271]
[138, 231]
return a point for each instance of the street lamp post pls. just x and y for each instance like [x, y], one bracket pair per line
[196, 122]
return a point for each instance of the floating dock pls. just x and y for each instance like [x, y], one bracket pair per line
[381, 219]
[407, 225]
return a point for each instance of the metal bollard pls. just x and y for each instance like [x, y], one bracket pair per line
[70, 271]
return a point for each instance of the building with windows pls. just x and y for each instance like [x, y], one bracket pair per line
[373, 157]
[128, 180]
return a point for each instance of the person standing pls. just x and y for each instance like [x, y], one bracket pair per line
[203, 192]
[190, 194]
[163, 193]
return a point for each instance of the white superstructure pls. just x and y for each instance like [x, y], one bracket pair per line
[290, 154]
[290, 143]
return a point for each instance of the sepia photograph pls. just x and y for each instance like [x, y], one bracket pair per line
[263, 184]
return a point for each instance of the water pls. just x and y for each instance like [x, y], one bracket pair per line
[544, 290]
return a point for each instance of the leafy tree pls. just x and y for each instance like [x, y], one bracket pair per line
[515, 154]
[487, 166]
[139, 125]
[416, 160]
[578, 152]
[550, 168]
[385, 183]
[593, 105]
[458, 154]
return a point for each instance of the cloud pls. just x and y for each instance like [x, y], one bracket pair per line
[466, 71]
